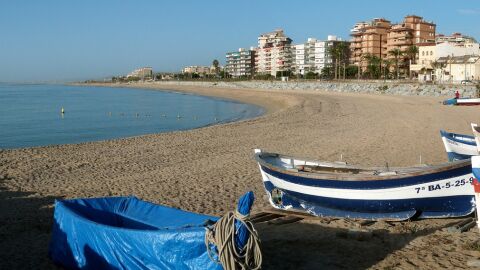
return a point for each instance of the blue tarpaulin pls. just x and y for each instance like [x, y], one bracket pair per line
[127, 233]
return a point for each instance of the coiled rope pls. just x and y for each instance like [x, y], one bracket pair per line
[222, 236]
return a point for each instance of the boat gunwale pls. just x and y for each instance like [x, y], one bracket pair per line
[158, 230]
[453, 137]
[429, 169]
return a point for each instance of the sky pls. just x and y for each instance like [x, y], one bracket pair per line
[67, 40]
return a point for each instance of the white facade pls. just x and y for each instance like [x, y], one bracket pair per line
[240, 63]
[457, 69]
[141, 73]
[313, 55]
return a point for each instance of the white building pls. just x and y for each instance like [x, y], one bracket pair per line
[313, 55]
[429, 55]
[455, 39]
[201, 70]
[458, 68]
[144, 72]
[241, 63]
[273, 53]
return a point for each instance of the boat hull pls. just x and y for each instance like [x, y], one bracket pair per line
[458, 146]
[439, 195]
[127, 233]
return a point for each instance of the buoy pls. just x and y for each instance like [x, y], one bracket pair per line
[63, 110]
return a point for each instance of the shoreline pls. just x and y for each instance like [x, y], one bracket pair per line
[205, 170]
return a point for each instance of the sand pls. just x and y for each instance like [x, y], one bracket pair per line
[207, 169]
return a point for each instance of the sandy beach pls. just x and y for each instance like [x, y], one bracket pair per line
[205, 170]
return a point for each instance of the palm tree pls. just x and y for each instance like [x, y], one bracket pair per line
[373, 66]
[396, 52]
[411, 53]
[334, 53]
[215, 65]
[342, 49]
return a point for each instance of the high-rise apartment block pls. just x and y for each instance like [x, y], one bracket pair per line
[273, 53]
[379, 37]
[412, 31]
[369, 38]
[241, 63]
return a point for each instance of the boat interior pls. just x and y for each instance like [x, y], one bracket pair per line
[342, 168]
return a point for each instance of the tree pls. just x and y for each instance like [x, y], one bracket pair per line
[411, 53]
[215, 65]
[351, 71]
[339, 53]
[373, 66]
[396, 52]
[311, 75]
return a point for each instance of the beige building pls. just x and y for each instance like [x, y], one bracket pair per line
[412, 31]
[458, 68]
[368, 38]
[429, 54]
[273, 53]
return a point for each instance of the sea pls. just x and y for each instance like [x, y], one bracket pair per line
[31, 114]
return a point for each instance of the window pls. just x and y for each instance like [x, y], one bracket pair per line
[423, 53]
[431, 52]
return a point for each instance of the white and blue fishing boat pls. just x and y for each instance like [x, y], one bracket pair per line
[459, 146]
[331, 189]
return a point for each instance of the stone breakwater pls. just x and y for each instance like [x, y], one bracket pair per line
[390, 88]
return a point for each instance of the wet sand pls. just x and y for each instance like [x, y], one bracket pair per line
[207, 169]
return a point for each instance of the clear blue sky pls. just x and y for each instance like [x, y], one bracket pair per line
[72, 40]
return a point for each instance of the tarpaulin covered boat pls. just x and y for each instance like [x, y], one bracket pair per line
[128, 233]
[459, 146]
[341, 190]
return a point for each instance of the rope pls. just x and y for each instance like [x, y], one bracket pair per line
[222, 236]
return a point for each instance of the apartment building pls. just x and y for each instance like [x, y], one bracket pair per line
[143, 72]
[314, 55]
[369, 38]
[273, 53]
[241, 63]
[303, 56]
[380, 36]
[413, 30]
[456, 39]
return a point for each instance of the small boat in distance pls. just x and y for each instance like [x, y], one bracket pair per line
[462, 101]
[459, 146]
[333, 189]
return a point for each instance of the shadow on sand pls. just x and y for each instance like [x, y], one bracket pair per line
[312, 246]
[25, 225]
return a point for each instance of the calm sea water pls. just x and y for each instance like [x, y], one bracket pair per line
[30, 115]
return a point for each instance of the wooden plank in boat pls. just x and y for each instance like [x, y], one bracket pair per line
[284, 220]
[267, 217]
